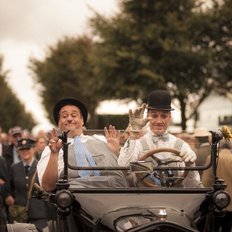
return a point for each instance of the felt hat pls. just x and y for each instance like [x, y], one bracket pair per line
[72, 102]
[15, 130]
[201, 132]
[159, 100]
[25, 143]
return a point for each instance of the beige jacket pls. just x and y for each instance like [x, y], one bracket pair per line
[223, 172]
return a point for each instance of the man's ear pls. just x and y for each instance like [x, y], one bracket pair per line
[82, 119]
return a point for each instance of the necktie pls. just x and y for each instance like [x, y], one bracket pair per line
[27, 167]
[84, 158]
[156, 138]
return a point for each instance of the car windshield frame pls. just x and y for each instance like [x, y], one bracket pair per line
[89, 188]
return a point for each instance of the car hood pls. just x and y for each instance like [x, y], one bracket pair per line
[110, 208]
[147, 219]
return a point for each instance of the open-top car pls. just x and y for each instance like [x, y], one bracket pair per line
[92, 204]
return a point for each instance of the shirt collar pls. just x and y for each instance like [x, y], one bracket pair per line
[83, 138]
[30, 164]
[153, 134]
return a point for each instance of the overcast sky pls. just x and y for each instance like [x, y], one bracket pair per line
[28, 27]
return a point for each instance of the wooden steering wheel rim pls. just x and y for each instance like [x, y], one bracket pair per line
[158, 150]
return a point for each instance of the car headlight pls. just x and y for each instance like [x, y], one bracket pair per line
[64, 199]
[221, 199]
[131, 222]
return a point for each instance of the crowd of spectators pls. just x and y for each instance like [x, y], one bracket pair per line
[11, 158]
[12, 183]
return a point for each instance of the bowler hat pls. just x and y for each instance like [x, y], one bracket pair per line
[73, 102]
[159, 100]
[25, 143]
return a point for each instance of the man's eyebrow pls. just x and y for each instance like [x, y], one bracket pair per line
[67, 111]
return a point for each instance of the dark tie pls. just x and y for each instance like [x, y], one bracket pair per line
[27, 168]
[84, 158]
[156, 138]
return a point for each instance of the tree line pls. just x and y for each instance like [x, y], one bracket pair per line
[180, 45]
[12, 111]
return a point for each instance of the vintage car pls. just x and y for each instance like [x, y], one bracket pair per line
[82, 205]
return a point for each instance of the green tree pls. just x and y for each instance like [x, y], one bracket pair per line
[155, 44]
[67, 71]
[12, 111]
[148, 45]
[220, 35]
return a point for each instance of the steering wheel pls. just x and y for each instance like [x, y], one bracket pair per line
[145, 180]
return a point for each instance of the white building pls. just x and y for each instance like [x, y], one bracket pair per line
[214, 112]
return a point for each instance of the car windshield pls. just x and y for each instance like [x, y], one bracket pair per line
[162, 170]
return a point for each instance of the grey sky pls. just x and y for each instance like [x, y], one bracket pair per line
[43, 21]
[28, 27]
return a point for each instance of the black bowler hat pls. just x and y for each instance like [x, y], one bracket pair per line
[72, 102]
[25, 143]
[159, 100]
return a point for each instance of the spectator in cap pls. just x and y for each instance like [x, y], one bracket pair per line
[71, 115]
[158, 118]
[11, 155]
[203, 149]
[22, 177]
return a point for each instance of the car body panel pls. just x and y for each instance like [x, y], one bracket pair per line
[106, 207]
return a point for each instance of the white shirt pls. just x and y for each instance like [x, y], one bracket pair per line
[42, 164]
[133, 149]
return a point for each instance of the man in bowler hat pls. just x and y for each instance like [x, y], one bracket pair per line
[157, 120]
[71, 115]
